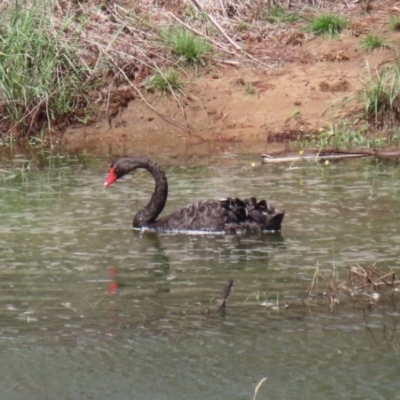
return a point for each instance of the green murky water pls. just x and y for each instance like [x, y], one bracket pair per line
[90, 309]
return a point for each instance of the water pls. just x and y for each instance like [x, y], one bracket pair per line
[90, 309]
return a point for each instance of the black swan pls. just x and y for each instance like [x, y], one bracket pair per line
[208, 216]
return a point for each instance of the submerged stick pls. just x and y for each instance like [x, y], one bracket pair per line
[312, 156]
[224, 295]
[258, 387]
[329, 154]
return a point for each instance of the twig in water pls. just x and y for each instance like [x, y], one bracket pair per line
[258, 387]
[394, 330]
[224, 295]
[315, 278]
[369, 330]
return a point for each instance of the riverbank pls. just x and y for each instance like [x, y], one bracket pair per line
[267, 82]
[298, 89]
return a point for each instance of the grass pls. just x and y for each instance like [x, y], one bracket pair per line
[243, 26]
[249, 89]
[183, 43]
[327, 24]
[366, 286]
[277, 13]
[38, 141]
[40, 78]
[51, 54]
[371, 42]
[166, 83]
[394, 23]
[381, 99]
[344, 136]
[18, 175]
[339, 136]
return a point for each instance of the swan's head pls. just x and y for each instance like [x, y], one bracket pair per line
[112, 177]
[117, 170]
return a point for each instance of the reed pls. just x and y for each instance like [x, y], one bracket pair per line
[381, 99]
[40, 78]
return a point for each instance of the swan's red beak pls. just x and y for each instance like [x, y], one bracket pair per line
[111, 178]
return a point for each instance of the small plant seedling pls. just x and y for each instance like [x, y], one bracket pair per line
[249, 89]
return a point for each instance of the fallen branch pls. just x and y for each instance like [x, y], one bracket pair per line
[321, 155]
[313, 155]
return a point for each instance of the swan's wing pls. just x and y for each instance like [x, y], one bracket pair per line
[205, 215]
[227, 215]
[253, 216]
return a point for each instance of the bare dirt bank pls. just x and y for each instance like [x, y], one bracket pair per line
[299, 92]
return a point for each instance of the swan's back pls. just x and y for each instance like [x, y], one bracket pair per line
[221, 216]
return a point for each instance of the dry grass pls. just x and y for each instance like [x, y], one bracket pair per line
[365, 286]
[124, 36]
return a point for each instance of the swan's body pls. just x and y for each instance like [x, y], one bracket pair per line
[208, 216]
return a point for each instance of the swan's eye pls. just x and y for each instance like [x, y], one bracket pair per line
[115, 170]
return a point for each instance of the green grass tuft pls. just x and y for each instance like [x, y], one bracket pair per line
[381, 98]
[326, 24]
[166, 83]
[372, 42]
[186, 45]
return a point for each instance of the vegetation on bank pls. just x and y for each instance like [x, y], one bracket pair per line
[327, 24]
[40, 76]
[63, 62]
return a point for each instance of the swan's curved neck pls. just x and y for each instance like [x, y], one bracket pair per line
[152, 210]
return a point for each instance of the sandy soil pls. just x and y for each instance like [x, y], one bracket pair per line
[298, 91]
